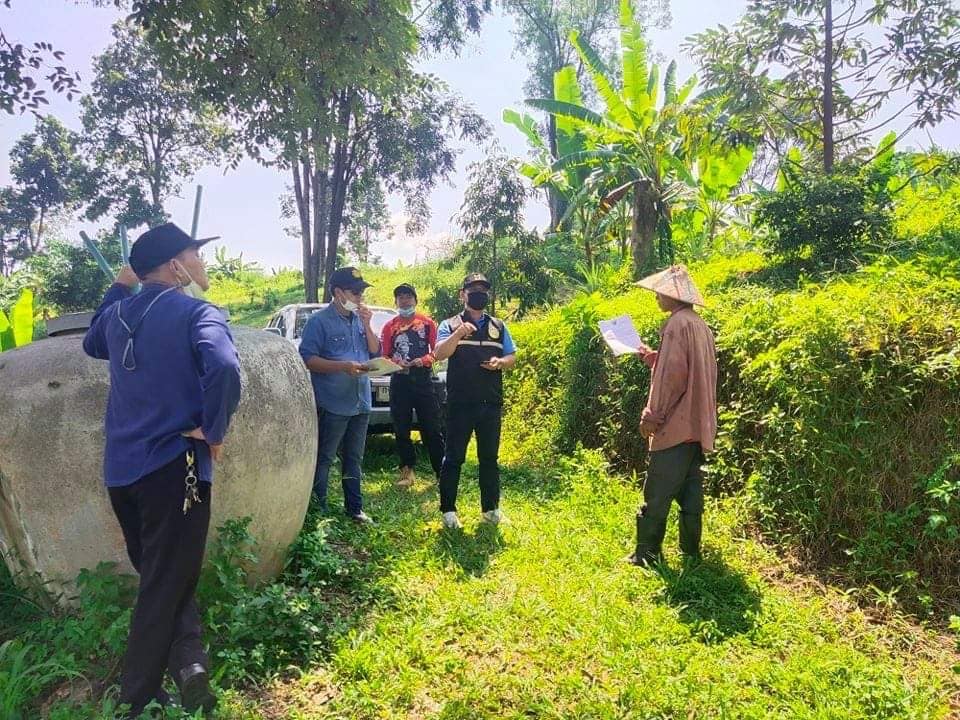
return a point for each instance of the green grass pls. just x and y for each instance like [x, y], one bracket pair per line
[543, 619]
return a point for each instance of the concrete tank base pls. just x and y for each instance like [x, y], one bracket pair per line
[55, 516]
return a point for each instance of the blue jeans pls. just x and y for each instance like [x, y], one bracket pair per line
[348, 434]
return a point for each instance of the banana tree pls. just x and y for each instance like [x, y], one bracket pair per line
[586, 220]
[563, 184]
[636, 151]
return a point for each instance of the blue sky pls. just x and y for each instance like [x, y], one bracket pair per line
[243, 205]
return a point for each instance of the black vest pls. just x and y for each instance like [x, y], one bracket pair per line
[467, 382]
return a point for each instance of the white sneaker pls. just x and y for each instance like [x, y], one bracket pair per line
[494, 517]
[451, 521]
[362, 518]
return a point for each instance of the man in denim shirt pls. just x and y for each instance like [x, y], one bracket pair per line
[337, 343]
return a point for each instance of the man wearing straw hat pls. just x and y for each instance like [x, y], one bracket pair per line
[680, 418]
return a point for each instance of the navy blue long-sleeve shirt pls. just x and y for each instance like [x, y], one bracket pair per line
[186, 375]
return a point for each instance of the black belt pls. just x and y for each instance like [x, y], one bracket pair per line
[414, 372]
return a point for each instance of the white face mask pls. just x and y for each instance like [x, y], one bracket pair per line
[191, 288]
[348, 305]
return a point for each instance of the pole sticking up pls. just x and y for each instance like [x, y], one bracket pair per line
[196, 212]
[101, 261]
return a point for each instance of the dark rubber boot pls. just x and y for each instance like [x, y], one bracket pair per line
[650, 534]
[195, 692]
[691, 529]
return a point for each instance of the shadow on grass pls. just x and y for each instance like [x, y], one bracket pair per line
[471, 552]
[715, 601]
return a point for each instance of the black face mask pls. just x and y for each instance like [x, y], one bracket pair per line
[477, 300]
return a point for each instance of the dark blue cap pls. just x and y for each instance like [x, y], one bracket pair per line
[159, 245]
[348, 278]
[474, 278]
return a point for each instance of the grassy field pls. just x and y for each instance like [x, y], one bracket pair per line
[538, 619]
[542, 619]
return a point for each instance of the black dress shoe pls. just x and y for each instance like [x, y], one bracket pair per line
[195, 693]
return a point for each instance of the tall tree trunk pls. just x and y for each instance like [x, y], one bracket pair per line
[644, 229]
[496, 279]
[38, 238]
[301, 193]
[828, 89]
[320, 205]
[556, 201]
[338, 191]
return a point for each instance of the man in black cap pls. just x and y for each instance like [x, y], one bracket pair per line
[174, 385]
[479, 348]
[409, 339]
[336, 345]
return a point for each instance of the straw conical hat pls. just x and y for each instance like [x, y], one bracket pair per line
[674, 282]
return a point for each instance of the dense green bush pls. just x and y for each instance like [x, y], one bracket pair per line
[840, 410]
[827, 219]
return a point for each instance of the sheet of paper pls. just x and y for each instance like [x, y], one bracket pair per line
[381, 366]
[620, 335]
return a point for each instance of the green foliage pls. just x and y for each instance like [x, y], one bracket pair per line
[445, 301]
[22, 676]
[496, 242]
[56, 646]
[230, 268]
[640, 153]
[49, 180]
[17, 330]
[147, 131]
[299, 605]
[828, 219]
[67, 276]
[768, 70]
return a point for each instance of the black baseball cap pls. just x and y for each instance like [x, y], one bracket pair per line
[160, 244]
[348, 278]
[473, 278]
[405, 288]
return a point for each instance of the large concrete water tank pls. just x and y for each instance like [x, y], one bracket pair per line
[55, 516]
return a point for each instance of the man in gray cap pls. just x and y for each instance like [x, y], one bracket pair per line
[174, 385]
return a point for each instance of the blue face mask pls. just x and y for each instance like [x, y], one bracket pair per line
[407, 312]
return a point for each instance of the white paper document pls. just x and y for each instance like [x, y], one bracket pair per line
[381, 366]
[620, 335]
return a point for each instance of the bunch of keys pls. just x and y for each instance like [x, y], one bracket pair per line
[190, 494]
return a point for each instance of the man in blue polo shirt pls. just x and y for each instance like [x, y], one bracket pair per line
[336, 344]
[174, 385]
[479, 348]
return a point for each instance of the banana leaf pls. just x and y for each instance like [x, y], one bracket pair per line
[616, 108]
[566, 90]
[635, 77]
[670, 84]
[6, 332]
[527, 125]
[21, 318]
[569, 110]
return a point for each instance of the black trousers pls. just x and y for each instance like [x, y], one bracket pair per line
[463, 420]
[416, 392]
[166, 548]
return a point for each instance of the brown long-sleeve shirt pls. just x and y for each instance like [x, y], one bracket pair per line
[683, 390]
